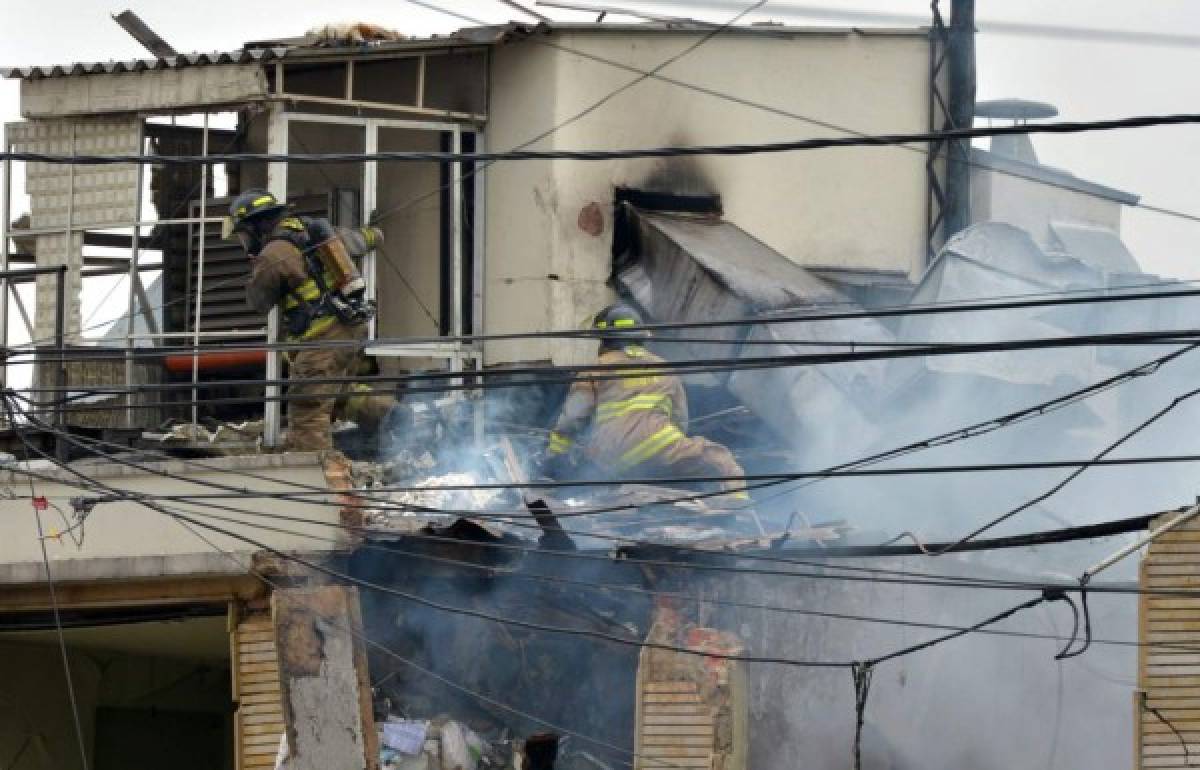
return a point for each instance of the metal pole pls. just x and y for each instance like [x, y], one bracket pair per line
[5, 217]
[134, 278]
[60, 306]
[60, 371]
[277, 142]
[200, 275]
[69, 246]
[370, 201]
[960, 78]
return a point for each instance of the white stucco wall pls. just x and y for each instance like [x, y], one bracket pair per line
[1033, 205]
[125, 539]
[853, 207]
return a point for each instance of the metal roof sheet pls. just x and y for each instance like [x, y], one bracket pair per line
[141, 65]
[302, 47]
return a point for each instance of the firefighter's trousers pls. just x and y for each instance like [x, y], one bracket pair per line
[697, 456]
[312, 406]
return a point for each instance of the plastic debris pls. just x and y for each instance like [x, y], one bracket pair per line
[406, 736]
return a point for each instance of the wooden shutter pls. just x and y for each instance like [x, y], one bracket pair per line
[675, 728]
[258, 719]
[1169, 679]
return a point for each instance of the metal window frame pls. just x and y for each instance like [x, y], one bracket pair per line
[459, 356]
[279, 92]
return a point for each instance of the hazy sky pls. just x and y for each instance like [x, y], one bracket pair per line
[1086, 79]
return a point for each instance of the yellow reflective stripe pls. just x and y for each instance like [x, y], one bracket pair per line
[361, 395]
[650, 446]
[559, 443]
[621, 322]
[307, 291]
[316, 327]
[635, 351]
[646, 402]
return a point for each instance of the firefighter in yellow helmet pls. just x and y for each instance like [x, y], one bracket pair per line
[304, 266]
[635, 425]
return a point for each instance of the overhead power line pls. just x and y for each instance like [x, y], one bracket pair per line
[878, 575]
[860, 16]
[799, 145]
[967, 432]
[802, 315]
[492, 571]
[1079, 470]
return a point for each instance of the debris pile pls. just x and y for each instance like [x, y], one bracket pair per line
[438, 744]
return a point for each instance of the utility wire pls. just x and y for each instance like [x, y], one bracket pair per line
[588, 110]
[1096, 461]
[519, 574]
[90, 484]
[788, 316]
[943, 439]
[971, 431]
[722, 150]
[58, 627]
[599, 370]
[457, 687]
[572, 631]
[861, 669]
[143, 498]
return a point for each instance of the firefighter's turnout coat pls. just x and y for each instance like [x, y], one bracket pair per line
[636, 425]
[281, 277]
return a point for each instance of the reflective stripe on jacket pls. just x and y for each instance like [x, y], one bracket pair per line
[627, 421]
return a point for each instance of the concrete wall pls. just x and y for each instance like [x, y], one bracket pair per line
[124, 539]
[132, 92]
[980, 701]
[1031, 205]
[854, 208]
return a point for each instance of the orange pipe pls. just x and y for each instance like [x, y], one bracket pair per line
[215, 361]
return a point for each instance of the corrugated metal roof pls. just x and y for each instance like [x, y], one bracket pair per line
[302, 47]
[141, 65]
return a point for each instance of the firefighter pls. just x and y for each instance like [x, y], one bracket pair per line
[303, 266]
[635, 425]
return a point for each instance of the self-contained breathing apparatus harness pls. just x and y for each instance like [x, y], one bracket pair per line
[348, 303]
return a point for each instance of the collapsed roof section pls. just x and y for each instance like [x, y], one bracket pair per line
[702, 268]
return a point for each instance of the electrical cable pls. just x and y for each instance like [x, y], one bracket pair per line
[1007, 302]
[589, 109]
[781, 112]
[363, 638]
[86, 443]
[977, 429]
[518, 574]
[935, 581]
[721, 150]
[62, 641]
[1072, 476]
[608, 371]
[599, 635]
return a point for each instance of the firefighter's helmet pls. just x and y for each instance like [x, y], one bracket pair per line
[621, 323]
[253, 206]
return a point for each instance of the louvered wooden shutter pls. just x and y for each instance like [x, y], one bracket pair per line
[675, 728]
[1169, 679]
[258, 720]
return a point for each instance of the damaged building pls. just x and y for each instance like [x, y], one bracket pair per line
[227, 605]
